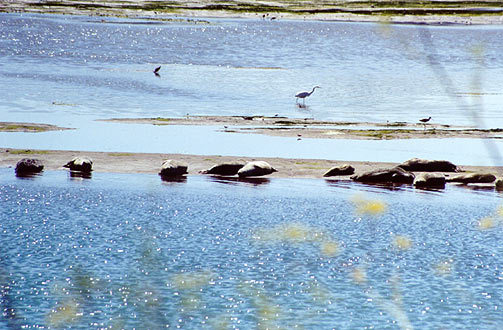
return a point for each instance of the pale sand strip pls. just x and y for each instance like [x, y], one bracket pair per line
[151, 163]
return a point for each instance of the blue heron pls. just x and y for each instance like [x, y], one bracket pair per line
[303, 95]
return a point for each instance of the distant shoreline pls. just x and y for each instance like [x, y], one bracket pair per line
[406, 12]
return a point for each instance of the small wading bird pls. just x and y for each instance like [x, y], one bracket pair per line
[424, 121]
[303, 95]
[156, 71]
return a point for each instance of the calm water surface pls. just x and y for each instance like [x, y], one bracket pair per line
[71, 70]
[132, 251]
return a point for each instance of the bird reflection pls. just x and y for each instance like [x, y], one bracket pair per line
[156, 71]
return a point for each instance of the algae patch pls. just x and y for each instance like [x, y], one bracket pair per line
[28, 127]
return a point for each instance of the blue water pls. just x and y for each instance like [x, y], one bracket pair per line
[71, 70]
[132, 251]
[135, 252]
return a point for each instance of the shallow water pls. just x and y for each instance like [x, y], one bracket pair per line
[369, 72]
[71, 70]
[134, 251]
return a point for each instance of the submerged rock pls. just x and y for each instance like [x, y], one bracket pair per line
[340, 170]
[230, 168]
[473, 178]
[424, 165]
[256, 168]
[28, 166]
[80, 164]
[430, 180]
[391, 175]
[173, 168]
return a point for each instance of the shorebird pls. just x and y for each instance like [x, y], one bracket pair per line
[303, 95]
[424, 121]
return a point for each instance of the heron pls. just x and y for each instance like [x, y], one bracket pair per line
[424, 121]
[303, 95]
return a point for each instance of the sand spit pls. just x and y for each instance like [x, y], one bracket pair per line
[150, 163]
[321, 129]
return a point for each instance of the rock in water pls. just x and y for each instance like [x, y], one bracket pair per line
[224, 169]
[173, 168]
[28, 166]
[256, 168]
[80, 164]
[340, 170]
[424, 165]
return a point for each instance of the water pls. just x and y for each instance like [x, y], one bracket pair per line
[72, 70]
[208, 253]
[132, 251]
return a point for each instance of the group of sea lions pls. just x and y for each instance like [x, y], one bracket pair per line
[429, 173]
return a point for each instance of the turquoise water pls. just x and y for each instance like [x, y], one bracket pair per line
[133, 251]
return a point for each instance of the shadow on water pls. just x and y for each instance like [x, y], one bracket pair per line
[237, 180]
[28, 175]
[173, 179]
[347, 184]
[77, 175]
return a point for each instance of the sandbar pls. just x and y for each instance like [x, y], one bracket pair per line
[320, 129]
[150, 163]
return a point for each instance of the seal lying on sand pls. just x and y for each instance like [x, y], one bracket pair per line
[256, 168]
[391, 175]
[473, 178]
[430, 180]
[81, 164]
[424, 165]
[173, 168]
[231, 168]
[340, 170]
[28, 166]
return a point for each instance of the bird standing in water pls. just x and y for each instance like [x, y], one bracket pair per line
[303, 95]
[424, 121]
